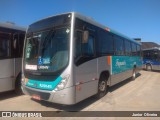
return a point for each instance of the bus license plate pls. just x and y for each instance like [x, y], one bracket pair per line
[37, 97]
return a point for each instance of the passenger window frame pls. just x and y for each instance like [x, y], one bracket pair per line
[8, 46]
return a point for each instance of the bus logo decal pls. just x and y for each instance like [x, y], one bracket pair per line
[120, 63]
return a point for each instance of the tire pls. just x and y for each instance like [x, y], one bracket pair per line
[148, 67]
[134, 74]
[102, 87]
[18, 89]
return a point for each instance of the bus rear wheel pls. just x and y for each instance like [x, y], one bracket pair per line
[102, 88]
[148, 67]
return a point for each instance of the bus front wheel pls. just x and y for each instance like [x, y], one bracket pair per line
[102, 88]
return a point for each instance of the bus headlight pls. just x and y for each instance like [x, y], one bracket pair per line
[63, 83]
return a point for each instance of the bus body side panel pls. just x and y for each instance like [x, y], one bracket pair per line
[65, 96]
[122, 67]
[6, 74]
[86, 80]
[156, 67]
[116, 78]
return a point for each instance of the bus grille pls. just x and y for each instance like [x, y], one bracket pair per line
[43, 95]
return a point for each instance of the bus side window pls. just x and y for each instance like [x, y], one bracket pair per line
[4, 45]
[78, 40]
[128, 49]
[155, 55]
[138, 50]
[83, 51]
[119, 45]
[134, 49]
[105, 43]
[147, 54]
[18, 40]
[15, 44]
[159, 55]
[21, 43]
[87, 48]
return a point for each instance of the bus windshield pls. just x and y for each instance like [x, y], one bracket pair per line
[47, 51]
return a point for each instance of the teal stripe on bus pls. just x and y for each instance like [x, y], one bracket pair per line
[44, 84]
[124, 63]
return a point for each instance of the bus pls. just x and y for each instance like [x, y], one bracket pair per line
[70, 57]
[151, 58]
[11, 50]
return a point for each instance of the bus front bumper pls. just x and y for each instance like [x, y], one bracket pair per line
[65, 96]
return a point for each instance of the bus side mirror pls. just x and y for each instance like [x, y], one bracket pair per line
[85, 36]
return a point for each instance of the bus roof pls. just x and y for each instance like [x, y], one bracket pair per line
[92, 21]
[12, 26]
[154, 48]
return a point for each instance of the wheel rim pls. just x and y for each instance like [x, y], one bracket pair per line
[148, 67]
[102, 86]
[134, 74]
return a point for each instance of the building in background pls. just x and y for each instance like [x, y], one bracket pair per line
[146, 45]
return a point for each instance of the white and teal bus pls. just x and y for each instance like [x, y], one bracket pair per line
[70, 57]
[11, 49]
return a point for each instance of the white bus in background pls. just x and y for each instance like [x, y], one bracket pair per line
[11, 47]
[151, 58]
